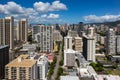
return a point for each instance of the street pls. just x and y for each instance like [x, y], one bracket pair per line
[57, 63]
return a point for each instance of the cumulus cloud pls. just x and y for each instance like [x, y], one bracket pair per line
[44, 15]
[54, 16]
[105, 18]
[46, 7]
[50, 16]
[11, 8]
[34, 13]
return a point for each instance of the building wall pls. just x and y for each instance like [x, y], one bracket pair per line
[42, 66]
[45, 37]
[89, 48]
[22, 30]
[4, 59]
[7, 31]
[1, 31]
[72, 33]
[118, 44]
[57, 36]
[69, 59]
[67, 42]
[21, 73]
[78, 44]
[111, 42]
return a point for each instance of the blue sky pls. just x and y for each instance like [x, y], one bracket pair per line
[61, 11]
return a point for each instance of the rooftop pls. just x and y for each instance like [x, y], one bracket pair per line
[21, 61]
[69, 78]
[84, 72]
[91, 70]
[69, 51]
[108, 77]
[111, 77]
[78, 38]
[68, 37]
[3, 46]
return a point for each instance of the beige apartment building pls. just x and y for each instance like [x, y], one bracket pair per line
[7, 31]
[22, 30]
[78, 44]
[21, 68]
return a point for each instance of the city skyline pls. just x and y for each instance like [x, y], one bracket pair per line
[61, 11]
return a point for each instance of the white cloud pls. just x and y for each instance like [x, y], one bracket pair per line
[56, 6]
[46, 7]
[33, 14]
[53, 16]
[41, 7]
[11, 8]
[44, 16]
[105, 18]
[50, 16]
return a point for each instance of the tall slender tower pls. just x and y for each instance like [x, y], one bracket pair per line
[7, 31]
[111, 42]
[67, 42]
[1, 31]
[89, 43]
[22, 30]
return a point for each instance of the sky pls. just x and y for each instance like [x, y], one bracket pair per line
[61, 11]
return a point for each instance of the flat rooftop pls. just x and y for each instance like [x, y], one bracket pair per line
[3, 46]
[69, 51]
[108, 77]
[21, 61]
[69, 78]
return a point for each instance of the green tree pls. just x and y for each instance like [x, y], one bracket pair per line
[60, 71]
[61, 62]
[73, 47]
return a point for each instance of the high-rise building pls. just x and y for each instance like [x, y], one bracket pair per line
[67, 42]
[89, 41]
[4, 59]
[69, 58]
[57, 36]
[118, 44]
[15, 33]
[42, 64]
[72, 33]
[111, 42]
[7, 31]
[80, 28]
[44, 35]
[102, 40]
[35, 31]
[91, 31]
[21, 68]
[22, 30]
[78, 44]
[89, 48]
[1, 31]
